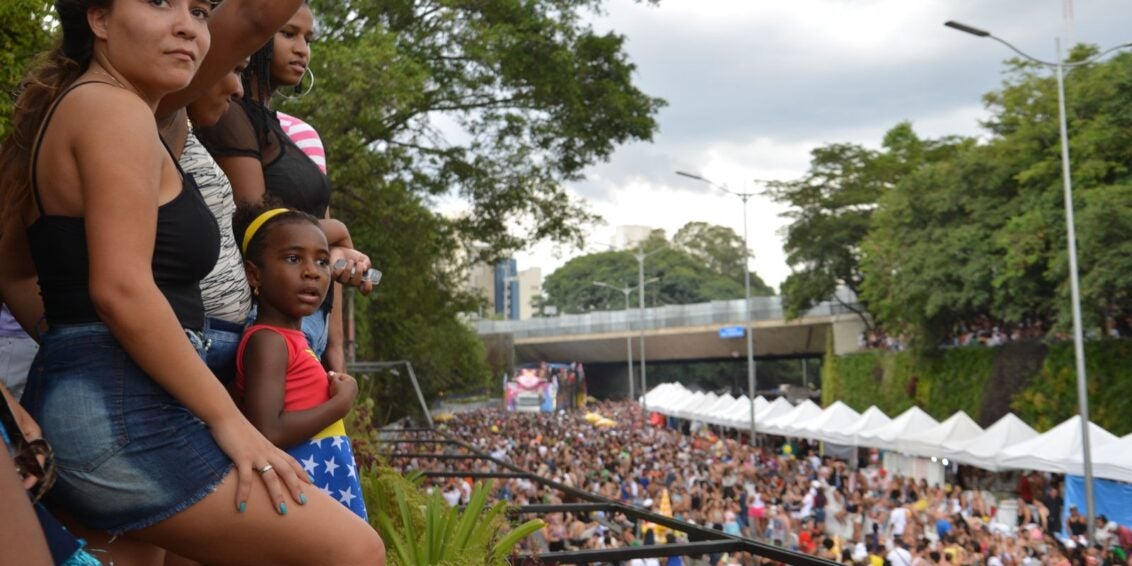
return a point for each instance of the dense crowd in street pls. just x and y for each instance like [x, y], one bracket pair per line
[784, 494]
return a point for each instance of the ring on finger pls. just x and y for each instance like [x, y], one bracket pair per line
[265, 469]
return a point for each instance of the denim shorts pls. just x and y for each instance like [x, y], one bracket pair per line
[128, 454]
[222, 341]
[316, 329]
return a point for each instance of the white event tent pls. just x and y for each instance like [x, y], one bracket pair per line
[912, 421]
[1113, 461]
[691, 410]
[1058, 450]
[803, 413]
[872, 419]
[689, 400]
[740, 415]
[707, 413]
[929, 443]
[981, 450]
[835, 417]
[663, 396]
[763, 412]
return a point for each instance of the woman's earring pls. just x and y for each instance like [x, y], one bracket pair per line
[299, 92]
[255, 291]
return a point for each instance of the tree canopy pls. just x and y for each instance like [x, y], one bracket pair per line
[685, 277]
[495, 103]
[25, 31]
[935, 233]
[832, 208]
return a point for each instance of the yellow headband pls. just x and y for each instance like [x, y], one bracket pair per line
[257, 224]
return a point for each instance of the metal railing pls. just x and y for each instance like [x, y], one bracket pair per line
[701, 540]
[668, 316]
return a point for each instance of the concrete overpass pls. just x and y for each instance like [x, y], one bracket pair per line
[679, 332]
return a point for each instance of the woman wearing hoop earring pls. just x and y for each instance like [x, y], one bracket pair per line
[259, 158]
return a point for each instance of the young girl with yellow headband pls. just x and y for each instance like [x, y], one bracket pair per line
[280, 383]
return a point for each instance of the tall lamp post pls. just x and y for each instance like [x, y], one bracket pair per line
[627, 290]
[641, 255]
[748, 328]
[1071, 243]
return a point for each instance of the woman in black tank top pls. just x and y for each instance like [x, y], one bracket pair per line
[150, 449]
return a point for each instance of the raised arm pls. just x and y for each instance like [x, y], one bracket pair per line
[238, 28]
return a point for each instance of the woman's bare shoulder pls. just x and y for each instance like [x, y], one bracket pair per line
[109, 118]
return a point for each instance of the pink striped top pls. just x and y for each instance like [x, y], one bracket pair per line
[305, 137]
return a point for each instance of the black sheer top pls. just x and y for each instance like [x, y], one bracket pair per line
[249, 129]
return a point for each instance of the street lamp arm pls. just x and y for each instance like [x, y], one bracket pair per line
[983, 33]
[709, 182]
[706, 181]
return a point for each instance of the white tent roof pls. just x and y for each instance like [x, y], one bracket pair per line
[772, 410]
[1112, 463]
[722, 415]
[689, 399]
[739, 416]
[912, 421]
[663, 395]
[805, 412]
[1058, 450]
[981, 450]
[835, 417]
[930, 442]
[709, 412]
[690, 411]
[872, 419]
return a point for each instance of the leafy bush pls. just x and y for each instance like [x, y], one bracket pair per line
[420, 530]
[947, 380]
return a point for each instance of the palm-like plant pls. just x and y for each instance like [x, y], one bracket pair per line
[419, 533]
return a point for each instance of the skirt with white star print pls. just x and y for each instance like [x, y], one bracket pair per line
[330, 461]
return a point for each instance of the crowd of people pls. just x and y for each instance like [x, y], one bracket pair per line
[986, 331]
[170, 250]
[785, 494]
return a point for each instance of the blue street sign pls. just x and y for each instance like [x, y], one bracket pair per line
[732, 332]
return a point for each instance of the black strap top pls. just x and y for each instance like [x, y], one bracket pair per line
[186, 247]
[250, 129]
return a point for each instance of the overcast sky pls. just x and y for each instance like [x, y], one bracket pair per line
[753, 85]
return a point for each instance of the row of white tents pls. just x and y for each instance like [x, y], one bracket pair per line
[1007, 444]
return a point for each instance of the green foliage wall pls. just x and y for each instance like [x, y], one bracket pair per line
[944, 381]
[1051, 396]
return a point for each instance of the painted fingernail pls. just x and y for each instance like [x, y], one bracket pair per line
[302, 499]
[243, 506]
[282, 508]
[310, 477]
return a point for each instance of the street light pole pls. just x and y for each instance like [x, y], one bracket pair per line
[748, 326]
[1071, 244]
[627, 290]
[641, 255]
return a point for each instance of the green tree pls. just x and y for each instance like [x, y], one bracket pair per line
[981, 233]
[832, 208]
[25, 30]
[496, 102]
[720, 249]
[683, 279]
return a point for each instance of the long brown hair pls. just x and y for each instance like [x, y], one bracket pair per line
[54, 71]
